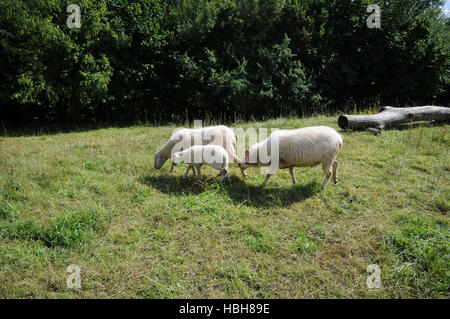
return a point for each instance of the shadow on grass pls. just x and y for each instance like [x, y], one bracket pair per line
[246, 194]
[175, 185]
[403, 126]
[238, 190]
[412, 125]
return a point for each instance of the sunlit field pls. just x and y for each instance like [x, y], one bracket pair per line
[94, 199]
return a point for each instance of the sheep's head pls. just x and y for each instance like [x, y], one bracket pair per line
[247, 157]
[159, 160]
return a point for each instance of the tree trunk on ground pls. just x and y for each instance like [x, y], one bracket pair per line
[392, 116]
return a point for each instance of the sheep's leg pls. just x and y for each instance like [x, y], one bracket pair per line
[265, 181]
[198, 172]
[291, 170]
[224, 167]
[335, 171]
[193, 169]
[243, 171]
[171, 168]
[224, 172]
[237, 160]
[241, 166]
[187, 172]
[327, 172]
[224, 178]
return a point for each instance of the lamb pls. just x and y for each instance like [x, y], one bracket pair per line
[215, 135]
[305, 147]
[214, 155]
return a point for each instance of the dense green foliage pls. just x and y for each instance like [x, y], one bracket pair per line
[167, 60]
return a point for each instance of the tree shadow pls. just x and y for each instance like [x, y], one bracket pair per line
[36, 129]
[238, 190]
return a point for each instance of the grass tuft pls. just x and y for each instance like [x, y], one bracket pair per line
[425, 248]
[305, 244]
[66, 231]
[71, 229]
[6, 211]
[259, 240]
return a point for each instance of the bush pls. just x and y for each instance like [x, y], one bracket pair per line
[159, 60]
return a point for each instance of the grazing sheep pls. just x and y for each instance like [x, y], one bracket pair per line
[213, 155]
[215, 135]
[305, 147]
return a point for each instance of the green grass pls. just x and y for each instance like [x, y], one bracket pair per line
[93, 199]
[425, 247]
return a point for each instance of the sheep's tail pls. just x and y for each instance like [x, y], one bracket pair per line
[341, 142]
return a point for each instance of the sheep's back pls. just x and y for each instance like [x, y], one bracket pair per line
[199, 154]
[223, 136]
[309, 146]
[215, 135]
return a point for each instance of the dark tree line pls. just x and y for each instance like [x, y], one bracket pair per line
[154, 60]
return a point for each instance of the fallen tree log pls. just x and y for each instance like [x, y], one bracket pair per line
[392, 116]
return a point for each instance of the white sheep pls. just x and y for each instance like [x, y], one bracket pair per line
[213, 155]
[305, 147]
[215, 135]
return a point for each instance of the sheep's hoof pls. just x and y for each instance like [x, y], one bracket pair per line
[335, 181]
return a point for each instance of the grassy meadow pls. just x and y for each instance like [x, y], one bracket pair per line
[93, 199]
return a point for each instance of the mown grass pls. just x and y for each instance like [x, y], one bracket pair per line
[93, 199]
